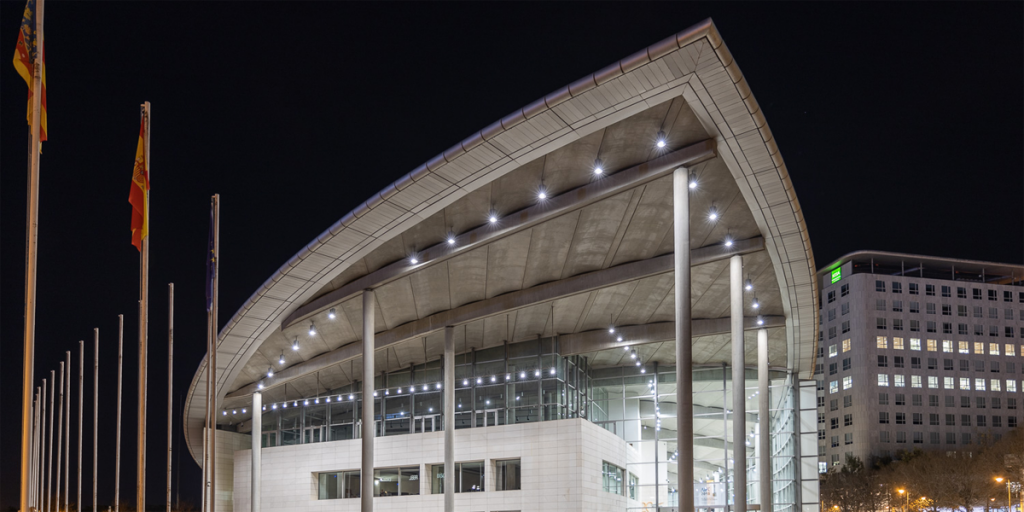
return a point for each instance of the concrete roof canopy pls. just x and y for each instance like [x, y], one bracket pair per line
[595, 251]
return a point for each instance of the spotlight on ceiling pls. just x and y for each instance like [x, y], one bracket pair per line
[542, 194]
[713, 213]
[598, 167]
[492, 219]
[312, 329]
[332, 314]
[760, 320]
[749, 285]
[661, 139]
[451, 240]
[728, 242]
[755, 304]
[413, 260]
[693, 180]
[270, 372]
[295, 344]
[281, 360]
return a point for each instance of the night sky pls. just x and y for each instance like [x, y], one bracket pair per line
[901, 125]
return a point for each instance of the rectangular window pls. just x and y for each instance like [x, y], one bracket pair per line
[993, 349]
[1008, 332]
[834, 422]
[1007, 296]
[846, 345]
[930, 327]
[933, 437]
[846, 326]
[933, 419]
[933, 400]
[965, 402]
[899, 381]
[847, 364]
[947, 328]
[897, 362]
[997, 421]
[915, 307]
[993, 313]
[979, 384]
[950, 420]
[833, 351]
[897, 306]
[833, 387]
[833, 405]
[881, 342]
[831, 296]
[981, 421]
[947, 383]
[912, 288]
[961, 329]
[883, 361]
[979, 330]
[947, 310]
[929, 289]
[897, 324]
[915, 381]
[835, 443]
[897, 287]
[901, 418]
[965, 384]
[883, 380]
[613, 477]
[979, 347]
[901, 399]
[915, 343]
[341, 484]
[933, 345]
[847, 401]
[1011, 386]
[947, 346]
[916, 400]
[1011, 403]
[1009, 349]
[845, 308]
[950, 437]
[961, 292]
[1011, 421]
[976, 293]
[965, 347]
[947, 364]
[961, 310]
[915, 326]
[992, 295]
[883, 399]
[965, 420]
[897, 343]
[879, 304]
[848, 382]
[831, 315]
[833, 368]
[848, 438]
[945, 291]
[844, 290]
[508, 476]
[398, 481]
[879, 286]
[847, 420]
[918, 437]
[831, 332]
[950, 401]
[995, 385]
[933, 382]
[880, 323]
[883, 417]
[930, 308]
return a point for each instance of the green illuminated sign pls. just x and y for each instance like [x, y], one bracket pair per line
[837, 274]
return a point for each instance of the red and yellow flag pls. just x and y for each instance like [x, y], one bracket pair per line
[139, 196]
[25, 54]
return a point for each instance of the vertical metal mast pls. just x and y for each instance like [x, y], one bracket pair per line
[140, 478]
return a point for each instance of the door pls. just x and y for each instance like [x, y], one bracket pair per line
[314, 434]
[431, 423]
[490, 418]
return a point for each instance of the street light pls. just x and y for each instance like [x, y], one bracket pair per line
[902, 492]
[1009, 503]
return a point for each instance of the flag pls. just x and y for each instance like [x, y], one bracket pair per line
[25, 54]
[139, 196]
[211, 265]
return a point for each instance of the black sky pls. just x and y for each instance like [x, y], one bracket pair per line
[901, 125]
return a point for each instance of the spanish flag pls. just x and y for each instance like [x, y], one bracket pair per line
[25, 54]
[139, 196]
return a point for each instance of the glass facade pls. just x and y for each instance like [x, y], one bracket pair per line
[529, 382]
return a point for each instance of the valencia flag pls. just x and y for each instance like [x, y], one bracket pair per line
[25, 55]
[139, 196]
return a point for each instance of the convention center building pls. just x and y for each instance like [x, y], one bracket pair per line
[604, 301]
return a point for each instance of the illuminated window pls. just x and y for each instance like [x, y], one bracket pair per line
[897, 343]
[846, 345]
[882, 341]
[933, 345]
[833, 387]
[979, 384]
[915, 381]
[933, 383]
[1010, 349]
[1011, 386]
[847, 382]
[833, 351]
[995, 385]
[915, 344]
[979, 347]
[947, 346]
[965, 384]
[993, 349]
[965, 347]
[899, 381]
[883, 380]
[947, 383]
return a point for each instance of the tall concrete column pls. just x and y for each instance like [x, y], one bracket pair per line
[763, 416]
[739, 394]
[449, 419]
[684, 342]
[257, 446]
[366, 478]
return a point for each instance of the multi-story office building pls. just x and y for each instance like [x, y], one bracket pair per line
[917, 352]
[538, 260]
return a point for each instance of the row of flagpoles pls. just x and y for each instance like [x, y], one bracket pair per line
[37, 457]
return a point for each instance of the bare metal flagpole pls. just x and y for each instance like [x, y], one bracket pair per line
[140, 482]
[32, 245]
[170, 387]
[41, 467]
[34, 452]
[68, 428]
[49, 445]
[213, 338]
[60, 433]
[81, 385]
[209, 414]
[95, 412]
[117, 442]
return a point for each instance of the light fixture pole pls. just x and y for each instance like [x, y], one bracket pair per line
[684, 342]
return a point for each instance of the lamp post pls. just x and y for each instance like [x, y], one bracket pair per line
[1009, 503]
[903, 492]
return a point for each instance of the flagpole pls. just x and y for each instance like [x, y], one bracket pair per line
[170, 388]
[32, 245]
[41, 486]
[60, 431]
[140, 483]
[117, 442]
[81, 385]
[209, 414]
[214, 335]
[67, 426]
[95, 412]
[34, 451]
[49, 445]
